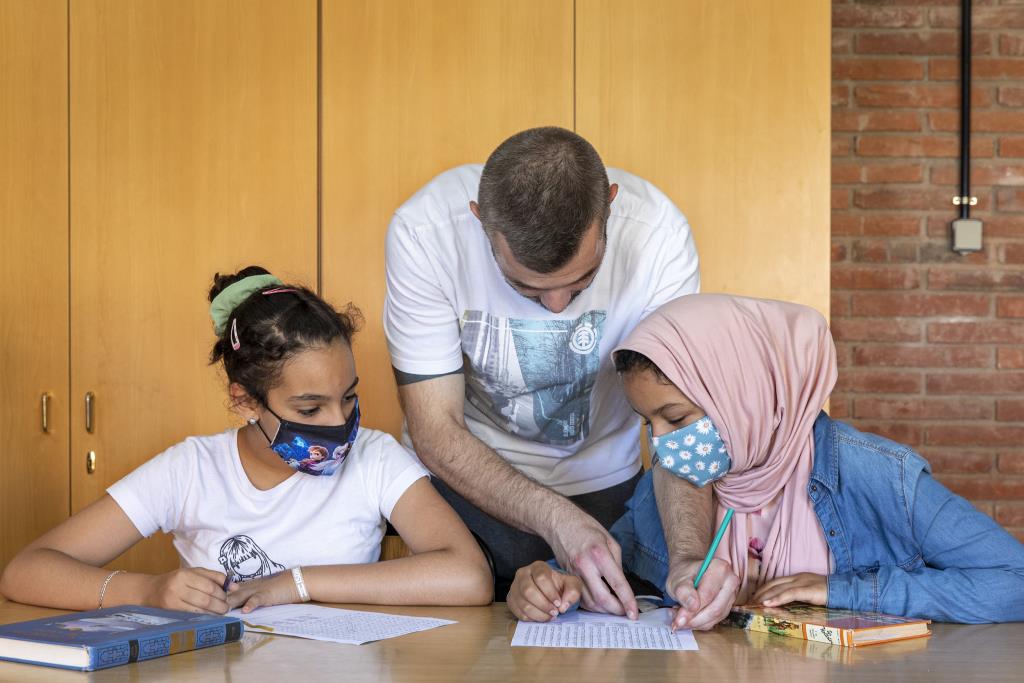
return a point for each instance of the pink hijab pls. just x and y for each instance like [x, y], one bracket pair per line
[762, 370]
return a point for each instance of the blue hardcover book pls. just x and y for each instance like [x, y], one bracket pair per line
[102, 638]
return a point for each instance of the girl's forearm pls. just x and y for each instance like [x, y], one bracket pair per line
[968, 596]
[50, 578]
[439, 577]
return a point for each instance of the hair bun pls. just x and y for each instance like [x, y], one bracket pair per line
[222, 282]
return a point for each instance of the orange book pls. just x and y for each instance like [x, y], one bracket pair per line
[824, 625]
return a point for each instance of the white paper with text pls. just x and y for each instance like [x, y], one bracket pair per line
[332, 624]
[652, 631]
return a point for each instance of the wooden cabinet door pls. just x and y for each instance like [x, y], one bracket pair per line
[34, 263]
[724, 104]
[193, 150]
[411, 89]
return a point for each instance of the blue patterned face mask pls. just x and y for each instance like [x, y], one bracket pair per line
[695, 452]
[314, 449]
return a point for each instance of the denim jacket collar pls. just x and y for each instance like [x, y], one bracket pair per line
[826, 459]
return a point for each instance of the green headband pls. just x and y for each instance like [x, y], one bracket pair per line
[225, 303]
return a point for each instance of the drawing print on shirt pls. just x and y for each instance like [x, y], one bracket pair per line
[243, 560]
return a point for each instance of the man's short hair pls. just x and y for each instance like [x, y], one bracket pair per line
[542, 189]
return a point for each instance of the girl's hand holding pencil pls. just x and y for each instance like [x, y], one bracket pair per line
[705, 591]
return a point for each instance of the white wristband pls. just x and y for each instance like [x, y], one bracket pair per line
[300, 585]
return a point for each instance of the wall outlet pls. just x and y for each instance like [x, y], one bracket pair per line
[966, 235]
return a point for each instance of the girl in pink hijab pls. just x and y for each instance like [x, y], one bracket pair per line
[732, 391]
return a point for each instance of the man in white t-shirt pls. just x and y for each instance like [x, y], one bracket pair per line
[508, 285]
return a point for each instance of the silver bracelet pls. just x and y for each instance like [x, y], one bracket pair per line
[300, 585]
[106, 581]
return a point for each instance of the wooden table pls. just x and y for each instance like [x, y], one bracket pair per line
[477, 649]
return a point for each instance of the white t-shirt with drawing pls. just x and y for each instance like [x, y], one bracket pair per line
[198, 491]
[540, 387]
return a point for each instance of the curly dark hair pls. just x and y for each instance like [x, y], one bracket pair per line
[272, 329]
[627, 361]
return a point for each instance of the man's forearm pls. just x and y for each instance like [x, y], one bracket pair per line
[434, 415]
[481, 476]
[687, 515]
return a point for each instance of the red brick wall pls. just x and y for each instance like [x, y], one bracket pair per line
[931, 344]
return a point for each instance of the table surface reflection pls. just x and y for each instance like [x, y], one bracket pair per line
[477, 649]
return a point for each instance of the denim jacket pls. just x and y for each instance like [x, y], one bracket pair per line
[902, 542]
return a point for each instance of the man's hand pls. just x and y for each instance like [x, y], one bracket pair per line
[584, 548]
[804, 587]
[702, 607]
[434, 412]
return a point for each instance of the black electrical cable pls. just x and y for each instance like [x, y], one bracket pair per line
[965, 108]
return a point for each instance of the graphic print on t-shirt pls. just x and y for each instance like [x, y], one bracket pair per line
[243, 560]
[533, 378]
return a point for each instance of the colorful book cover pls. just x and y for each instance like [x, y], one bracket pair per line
[112, 636]
[821, 624]
[775, 646]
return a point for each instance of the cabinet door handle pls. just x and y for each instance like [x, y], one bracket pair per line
[90, 401]
[90, 462]
[44, 407]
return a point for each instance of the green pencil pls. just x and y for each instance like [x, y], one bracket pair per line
[714, 546]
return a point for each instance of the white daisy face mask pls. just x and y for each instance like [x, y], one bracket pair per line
[695, 452]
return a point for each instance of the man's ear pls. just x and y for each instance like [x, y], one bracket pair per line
[475, 208]
[613, 190]
[242, 403]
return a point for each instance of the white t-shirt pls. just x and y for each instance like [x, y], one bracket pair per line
[540, 387]
[198, 491]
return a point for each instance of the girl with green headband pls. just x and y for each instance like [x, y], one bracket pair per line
[290, 507]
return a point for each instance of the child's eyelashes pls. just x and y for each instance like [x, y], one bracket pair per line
[674, 423]
[310, 412]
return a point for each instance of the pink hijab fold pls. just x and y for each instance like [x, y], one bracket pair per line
[761, 370]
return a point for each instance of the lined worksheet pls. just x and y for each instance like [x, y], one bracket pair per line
[334, 625]
[652, 631]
